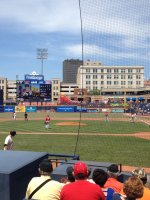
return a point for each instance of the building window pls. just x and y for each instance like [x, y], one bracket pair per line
[129, 70]
[138, 82]
[130, 82]
[55, 82]
[102, 82]
[88, 82]
[108, 82]
[102, 70]
[94, 82]
[108, 76]
[55, 87]
[102, 76]
[88, 76]
[108, 70]
[94, 87]
[129, 76]
[123, 83]
[94, 70]
[123, 71]
[115, 76]
[123, 76]
[87, 70]
[138, 70]
[116, 70]
[138, 76]
[116, 83]
[94, 76]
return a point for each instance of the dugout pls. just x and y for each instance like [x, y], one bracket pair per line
[16, 170]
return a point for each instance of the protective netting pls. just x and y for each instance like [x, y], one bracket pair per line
[115, 33]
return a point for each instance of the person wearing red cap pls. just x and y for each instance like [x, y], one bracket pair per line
[81, 189]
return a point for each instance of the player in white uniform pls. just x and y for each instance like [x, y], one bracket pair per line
[8, 145]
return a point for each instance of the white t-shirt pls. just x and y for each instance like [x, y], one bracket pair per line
[9, 142]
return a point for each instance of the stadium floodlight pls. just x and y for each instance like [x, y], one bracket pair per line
[42, 54]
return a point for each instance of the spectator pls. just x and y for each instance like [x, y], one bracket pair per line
[50, 190]
[81, 189]
[70, 177]
[112, 181]
[140, 173]
[100, 177]
[9, 144]
[133, 189]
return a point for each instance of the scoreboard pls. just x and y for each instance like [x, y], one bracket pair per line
[30, 90]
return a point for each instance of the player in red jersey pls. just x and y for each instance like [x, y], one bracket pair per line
[47, 121]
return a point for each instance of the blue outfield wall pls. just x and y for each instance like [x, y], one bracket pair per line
[31, 108]
[1, 108]
[9, 108]
[66, 109]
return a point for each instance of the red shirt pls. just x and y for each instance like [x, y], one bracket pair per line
[81, 190]
[47, 119]
[114, 184]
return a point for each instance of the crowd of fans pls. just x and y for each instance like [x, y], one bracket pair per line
[139, 107]
[77, 185]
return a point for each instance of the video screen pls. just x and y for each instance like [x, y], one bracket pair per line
[33, 91]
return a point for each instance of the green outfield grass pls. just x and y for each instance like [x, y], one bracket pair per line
[119, 149]
[55, 115]
[118, 127]
[124, 150]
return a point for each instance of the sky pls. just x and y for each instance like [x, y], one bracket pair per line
[115, 32]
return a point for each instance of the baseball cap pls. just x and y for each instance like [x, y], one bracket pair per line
[139, 172]
[46, 166]
[113, 168]
[80, 168]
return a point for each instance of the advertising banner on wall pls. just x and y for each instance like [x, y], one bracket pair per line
[117, 110]
[92, 110]
[20, 108]
[31, 109]
[106, 110]
[1, 108]
[65, 109]
[80, 109]
[9, 108]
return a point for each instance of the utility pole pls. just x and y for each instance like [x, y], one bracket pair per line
[42, 54]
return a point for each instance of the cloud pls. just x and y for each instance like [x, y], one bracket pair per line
[111, 16]
[89, 50]
[41, 15]
[116, 17]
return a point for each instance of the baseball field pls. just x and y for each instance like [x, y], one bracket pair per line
[118, 140]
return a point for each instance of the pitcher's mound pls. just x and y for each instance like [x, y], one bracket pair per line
[70, 124]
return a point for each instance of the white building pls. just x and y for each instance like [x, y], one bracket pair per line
[3, 86]
[68, 89]
[94, 76]
[11, 90]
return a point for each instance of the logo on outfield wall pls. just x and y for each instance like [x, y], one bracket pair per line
[34, 77]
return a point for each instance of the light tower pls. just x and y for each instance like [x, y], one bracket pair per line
[42, 54]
